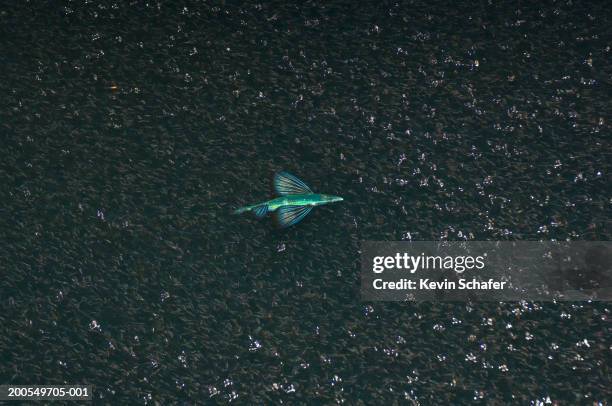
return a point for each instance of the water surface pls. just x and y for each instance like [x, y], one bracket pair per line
[131, 130]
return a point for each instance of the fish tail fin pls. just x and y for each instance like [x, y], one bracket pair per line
[260, 210]
[242, 210]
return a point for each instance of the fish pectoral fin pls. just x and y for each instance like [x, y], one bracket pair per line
[291, 215]
[261, 211]
[288, 184]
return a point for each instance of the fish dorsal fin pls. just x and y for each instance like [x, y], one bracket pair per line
[290, 215]
[288, 184]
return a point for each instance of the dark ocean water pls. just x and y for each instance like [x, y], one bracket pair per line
[131, 129]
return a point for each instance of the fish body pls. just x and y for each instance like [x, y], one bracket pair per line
[312, 199]
[296, 200]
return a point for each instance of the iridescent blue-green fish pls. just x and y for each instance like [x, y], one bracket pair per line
[295, 201]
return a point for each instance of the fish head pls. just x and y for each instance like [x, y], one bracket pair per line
[331, 198]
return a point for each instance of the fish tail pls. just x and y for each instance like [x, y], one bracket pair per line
[242, 210]
[260, 210]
